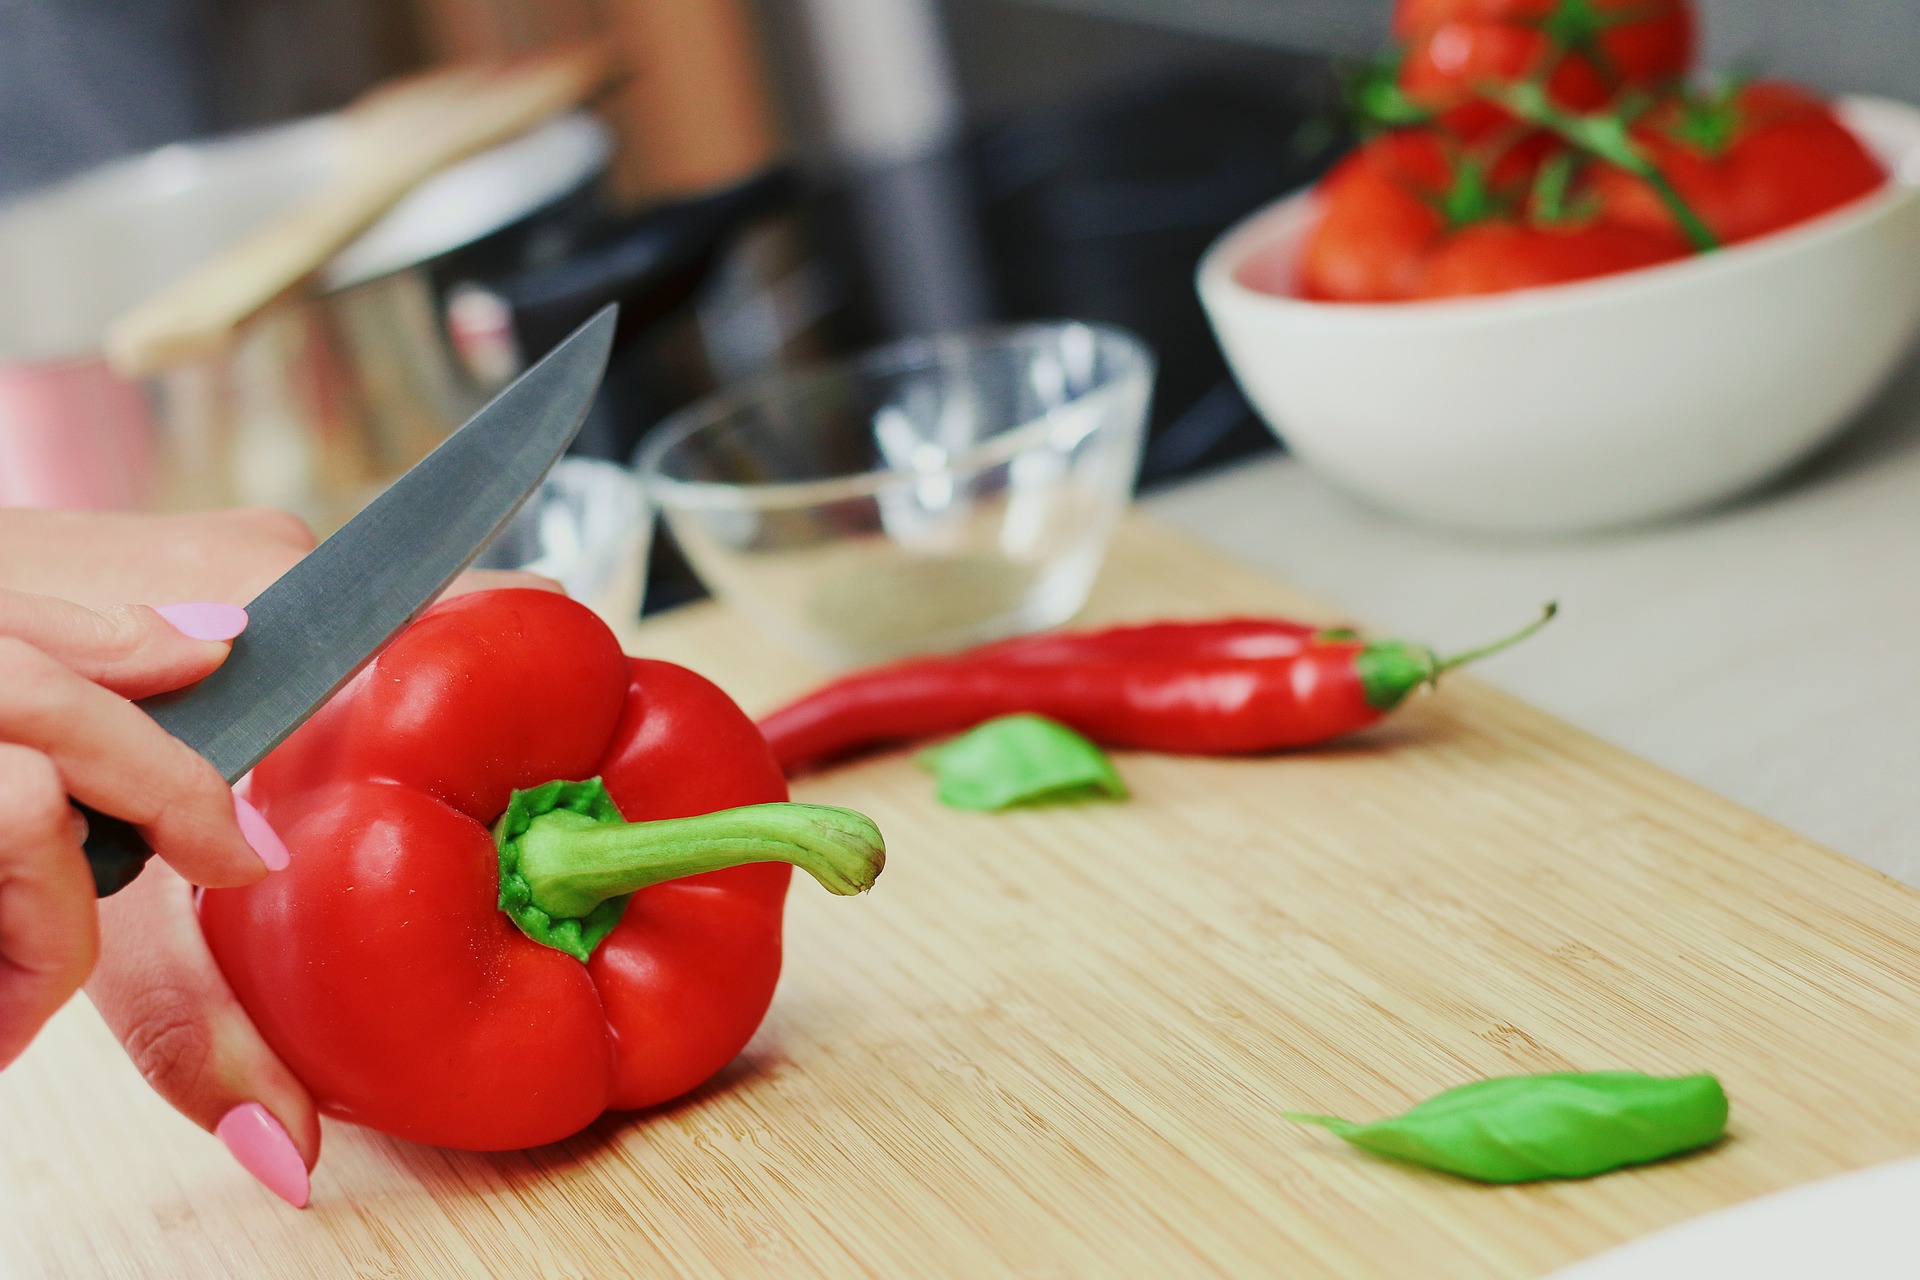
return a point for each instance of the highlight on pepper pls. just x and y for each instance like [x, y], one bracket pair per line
[1530, 1128]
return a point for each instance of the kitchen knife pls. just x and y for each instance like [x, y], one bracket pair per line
[310, 631]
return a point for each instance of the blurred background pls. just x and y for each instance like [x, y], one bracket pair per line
[882, 167]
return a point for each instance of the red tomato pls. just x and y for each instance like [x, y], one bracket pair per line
[1588, 50]
[1499, 257]
[1771, 156]
[1377, 218]
[1382, 210]
[1406, 217]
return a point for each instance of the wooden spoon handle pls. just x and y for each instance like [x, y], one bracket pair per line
[398, 136]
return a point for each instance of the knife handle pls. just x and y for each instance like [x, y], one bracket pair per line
[115, 850]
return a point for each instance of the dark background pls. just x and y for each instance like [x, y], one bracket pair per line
[84, 80]
[1106, 144]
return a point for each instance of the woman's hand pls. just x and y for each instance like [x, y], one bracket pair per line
[155, 983]
[159, 991]
[67, 730]
[103, 558]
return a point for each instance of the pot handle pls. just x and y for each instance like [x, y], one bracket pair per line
[650, 263]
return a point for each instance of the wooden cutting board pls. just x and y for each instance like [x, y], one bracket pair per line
[1057, 1042]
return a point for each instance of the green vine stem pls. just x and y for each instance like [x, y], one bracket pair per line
[1604, 136]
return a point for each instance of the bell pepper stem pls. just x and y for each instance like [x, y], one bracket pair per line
[569, 860]
[573, 863]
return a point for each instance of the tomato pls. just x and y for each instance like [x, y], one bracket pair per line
[1499, 257]
[1378, 215]
[1383, 208]
[1762, 158]
[1588, 50]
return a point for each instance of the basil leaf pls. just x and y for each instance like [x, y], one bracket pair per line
[1526, 1128]
[1021, 759]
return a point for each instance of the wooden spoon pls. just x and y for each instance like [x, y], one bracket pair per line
[397, 137]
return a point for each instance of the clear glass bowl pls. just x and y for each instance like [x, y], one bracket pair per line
[929, 495]
[587, 527]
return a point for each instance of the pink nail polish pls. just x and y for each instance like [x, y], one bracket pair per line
[264, 1150]
[205, 621]
[265, 840]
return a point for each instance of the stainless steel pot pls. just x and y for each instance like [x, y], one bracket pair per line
[328, 396]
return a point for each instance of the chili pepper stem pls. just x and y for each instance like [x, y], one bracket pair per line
[572, 863]
[1389, 670]
[1547, 612]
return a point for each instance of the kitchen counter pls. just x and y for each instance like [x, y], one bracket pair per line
[1060, 1041]
[1769, 650]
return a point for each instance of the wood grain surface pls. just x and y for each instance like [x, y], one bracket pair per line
[1056, 1043]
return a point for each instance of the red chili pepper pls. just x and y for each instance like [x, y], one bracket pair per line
[1194, 688]
[394, 965]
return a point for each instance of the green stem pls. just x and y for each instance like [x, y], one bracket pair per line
[1374, 99]
[1389, 670]
[1710, 120]
[573, 864]
[1605, 136]
[1547, 612]
[1697, 232]
[1551, 188]
[568, 861]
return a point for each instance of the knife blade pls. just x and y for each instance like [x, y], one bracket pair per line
[325, 618]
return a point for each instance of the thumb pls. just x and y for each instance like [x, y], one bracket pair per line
[131, 649]
[159, 990]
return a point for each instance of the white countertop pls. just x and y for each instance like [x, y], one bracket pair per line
[1769, 650]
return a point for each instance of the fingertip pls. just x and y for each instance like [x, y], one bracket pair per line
[260, 835]
[198, 840]
[162, 994]
[205, 620]
[262, 1147]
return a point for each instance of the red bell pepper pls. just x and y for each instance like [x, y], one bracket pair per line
[425, 977]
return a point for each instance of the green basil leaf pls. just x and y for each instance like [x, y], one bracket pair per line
[1527, 1128]
[1020, 759]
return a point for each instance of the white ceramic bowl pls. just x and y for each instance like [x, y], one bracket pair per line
[1601, 403]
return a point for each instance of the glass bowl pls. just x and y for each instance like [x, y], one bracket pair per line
[588, 528]
[928, 495]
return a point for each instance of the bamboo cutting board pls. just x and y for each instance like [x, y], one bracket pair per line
[1056, 1043]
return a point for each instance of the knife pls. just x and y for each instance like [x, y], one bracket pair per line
[309, 632]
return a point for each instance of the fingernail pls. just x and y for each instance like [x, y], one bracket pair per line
[205, 621]
[265, 840]
[264, 1150]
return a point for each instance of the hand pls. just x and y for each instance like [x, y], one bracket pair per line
[155, 984]
[158, 989]
[99, 558]
[104, 558]
[67, 729]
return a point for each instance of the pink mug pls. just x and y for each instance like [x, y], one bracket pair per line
[73, 435]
